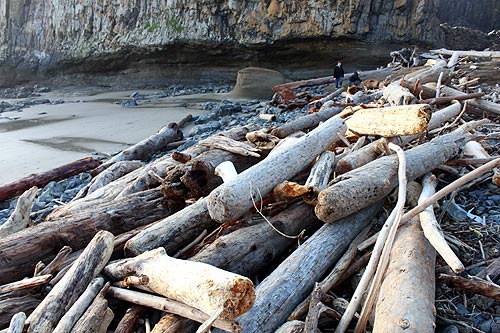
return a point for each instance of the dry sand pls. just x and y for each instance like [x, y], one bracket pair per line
[45, 136]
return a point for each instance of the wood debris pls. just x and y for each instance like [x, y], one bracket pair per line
[260, 229]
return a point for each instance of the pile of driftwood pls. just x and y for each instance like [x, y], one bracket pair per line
[189, 233]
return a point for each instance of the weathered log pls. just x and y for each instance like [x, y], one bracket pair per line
[75, 312]
[57, 262]
[491, 272]
[395, 94]
[319, 102]
[24, 249]
[474, 149]
[390, 121]
[476, 54]
[17, 187]
[231, 200]
[17, 323]
[418, 90]
[371, 151]
[335, 276]
[23, 287]
[72, 285]
[370, 183]
[20, 218]
[432, 230]
[484, 288]
[321, 171]
[478, 103]
[406, 299]
[173, 231]
[294, 278]
[112, 173]
[197, 177]
[173, 324]
[247, 250]
[267, 117]
[294, 326]
[146, 148]
[429, 74]
[305, 122]
[199, 285]
[165, 304]
[129, 320]
[11, 306]
[97, 317]
[445, 100]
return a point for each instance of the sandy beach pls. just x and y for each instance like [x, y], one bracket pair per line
[46, 136]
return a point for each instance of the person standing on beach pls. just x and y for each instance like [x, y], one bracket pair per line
[338, 74]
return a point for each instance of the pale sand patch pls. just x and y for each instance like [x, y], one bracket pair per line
[47, 136]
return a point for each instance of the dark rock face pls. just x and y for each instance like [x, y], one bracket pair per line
[461, 38]
[40, 36]
[478, 14]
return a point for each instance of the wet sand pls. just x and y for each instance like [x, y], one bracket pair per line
[46, 136]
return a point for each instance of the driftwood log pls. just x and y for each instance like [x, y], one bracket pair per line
[484, 288]
[173, 324]
[294, 278]
[481, 104]
[12, 305]
[199, 285]
[305, 122]
[24, 249]
[247, 250]
[395, 94]
[20, 218]
[146, 148]
[76, 311]
[130, 319]
[371, 151]
[370, 183]
[73, 284]
[390, 121]
[17, 187]
[231, 200]
[17, 323]
[97, 316]
[171, 306]
[406, 297]
[476, 54]
[173, 231]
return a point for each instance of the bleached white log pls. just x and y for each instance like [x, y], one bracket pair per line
[20, 218]
[226, 171]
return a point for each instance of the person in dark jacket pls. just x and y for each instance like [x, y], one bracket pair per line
[354, 79]
[338, 74]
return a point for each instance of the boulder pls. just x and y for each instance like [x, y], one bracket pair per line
[256, 83]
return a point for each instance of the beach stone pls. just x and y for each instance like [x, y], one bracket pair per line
[227, 108]
[256, 83]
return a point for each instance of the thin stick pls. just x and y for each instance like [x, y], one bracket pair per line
[190, 245]
[205, 327]
[372, 264]
[438, 85]
[432, 230]
[438, 196]
[386, 252]
[168, 305]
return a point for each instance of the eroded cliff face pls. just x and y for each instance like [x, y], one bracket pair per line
[43, 34]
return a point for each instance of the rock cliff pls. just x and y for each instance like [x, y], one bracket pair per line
[40, 35]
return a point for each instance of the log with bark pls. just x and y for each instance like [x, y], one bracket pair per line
[294, 278]
[371, 151]
[231, 200]
[484, 288]
[370, 183]
[73, 284]
[145, 149]
[24, 249]
[199, 285]
[17, 187]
